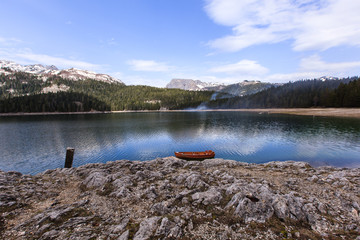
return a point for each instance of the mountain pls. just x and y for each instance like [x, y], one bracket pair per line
[324, 78]
[9, 67]
[246, 88]
[321, 92]
[238, 89]
[194, 85]
[34, 88]
[37, 92]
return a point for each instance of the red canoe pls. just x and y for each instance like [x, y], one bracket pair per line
[195, 155]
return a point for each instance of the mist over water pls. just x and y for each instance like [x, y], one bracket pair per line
[31, 144]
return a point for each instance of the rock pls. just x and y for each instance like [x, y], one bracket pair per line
[7, 200]
[175, 232]
[50, 234]
[210, 197]
[226, 178]
[124, 236]
[121, 227]
[147, 228]
[125, 181]
[151, 192]
[234, 188]
[289, 206]
[162, 208]
[120, 193]
[251, 208]
[165, 227]
[194, 181]
[170, 198]
[95, 179]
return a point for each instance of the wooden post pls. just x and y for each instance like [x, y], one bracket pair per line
[69, 157]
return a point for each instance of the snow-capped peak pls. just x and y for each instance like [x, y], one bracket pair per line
[324, 78]
[7, 67]
[190, 84]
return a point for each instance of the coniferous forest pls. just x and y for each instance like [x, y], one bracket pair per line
[300, 94]
[24, 92]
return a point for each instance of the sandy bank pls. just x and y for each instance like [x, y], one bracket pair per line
[323, 112]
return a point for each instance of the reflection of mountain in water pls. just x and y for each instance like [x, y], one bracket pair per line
[36, 143]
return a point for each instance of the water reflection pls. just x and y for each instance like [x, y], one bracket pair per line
[35, 143]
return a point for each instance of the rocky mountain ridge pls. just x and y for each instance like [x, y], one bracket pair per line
[169, 198]
[194, 85]
[243, 88]
[237, 89]
[8, 67]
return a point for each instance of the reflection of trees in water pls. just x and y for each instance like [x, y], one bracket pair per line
[233, 134]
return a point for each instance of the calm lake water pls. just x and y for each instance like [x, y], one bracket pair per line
[31, 144]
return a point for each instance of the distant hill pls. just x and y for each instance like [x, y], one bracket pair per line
[44, 72]
[194, 85]
[34, 88]
[29, 92]
[237, 89]
[300, 94]
[246, 88]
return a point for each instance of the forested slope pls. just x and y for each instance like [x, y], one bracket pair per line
[23, 92]
[300, 94]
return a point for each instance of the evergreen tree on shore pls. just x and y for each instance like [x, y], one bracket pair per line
[300, 94]
[24, 92]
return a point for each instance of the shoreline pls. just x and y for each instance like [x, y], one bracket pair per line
[318, 112]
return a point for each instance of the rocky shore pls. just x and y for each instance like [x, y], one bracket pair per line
[169, 198]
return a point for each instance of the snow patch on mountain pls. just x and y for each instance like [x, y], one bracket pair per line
[325, 78]
[193, 85]
[237, 89]
[8, 67]
[55, 88]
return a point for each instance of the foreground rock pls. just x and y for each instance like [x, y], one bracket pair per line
[170, 198]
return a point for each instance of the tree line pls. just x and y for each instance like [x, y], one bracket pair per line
[22, 92]
[53, 102]
[300, 94]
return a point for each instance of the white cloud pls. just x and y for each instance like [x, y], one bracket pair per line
[314, 67]
[337, 24]
[310, 67]
[243, 40]
[315, 63]
[244, 67]
[9, 41]
[26, 56]
[118, 75]
[144, 80]
[286, 77]
[58, 61]
[312, 25]
[149, 66]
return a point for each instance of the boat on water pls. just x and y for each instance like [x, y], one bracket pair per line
[195, 155]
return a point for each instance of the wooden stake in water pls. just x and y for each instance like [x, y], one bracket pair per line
[69, 157]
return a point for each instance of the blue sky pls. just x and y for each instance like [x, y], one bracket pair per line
[149, 42]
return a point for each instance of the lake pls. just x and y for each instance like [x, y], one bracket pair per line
[31, 144]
